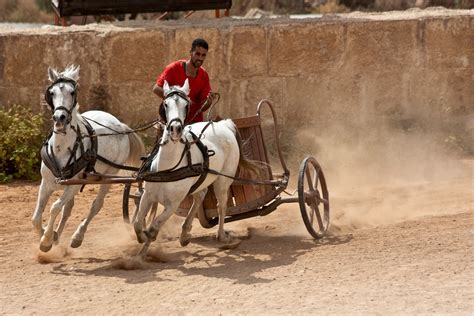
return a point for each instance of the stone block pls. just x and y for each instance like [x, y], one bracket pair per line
[133, 104]
[23, 60]
[374, 46]
[247, 52]
[449, 43]
[66, 48]
[135, 56]
[304, 48]
[245, 95]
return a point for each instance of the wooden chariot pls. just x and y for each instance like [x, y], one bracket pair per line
[255, 199]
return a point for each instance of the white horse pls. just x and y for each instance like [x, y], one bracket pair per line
[69, 150]
[176, 147]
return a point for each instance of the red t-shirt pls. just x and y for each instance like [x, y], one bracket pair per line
[200, 87]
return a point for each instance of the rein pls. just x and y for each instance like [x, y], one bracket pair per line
[190, 170]
[173, 174]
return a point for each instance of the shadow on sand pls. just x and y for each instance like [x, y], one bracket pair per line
[256, 253]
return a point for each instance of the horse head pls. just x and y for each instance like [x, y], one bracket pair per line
[176, 103]
[61, 96]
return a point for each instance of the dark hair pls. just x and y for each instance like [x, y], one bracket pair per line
[199, 42]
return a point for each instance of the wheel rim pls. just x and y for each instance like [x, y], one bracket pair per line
[313, 197]
[131, 199]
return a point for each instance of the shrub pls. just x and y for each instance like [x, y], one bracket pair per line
[21, 135]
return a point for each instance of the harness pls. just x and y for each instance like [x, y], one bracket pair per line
[174, 173]
[87, 158]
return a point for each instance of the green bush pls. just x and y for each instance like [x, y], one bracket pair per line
[21, 137]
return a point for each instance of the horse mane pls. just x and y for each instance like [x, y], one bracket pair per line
[69, 71]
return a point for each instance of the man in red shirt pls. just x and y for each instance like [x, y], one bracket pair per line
[200, 89]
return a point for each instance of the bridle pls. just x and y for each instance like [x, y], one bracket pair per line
[182, 95]
[88, 156]
[49, 100]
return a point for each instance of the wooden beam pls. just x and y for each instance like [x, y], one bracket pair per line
[111, 7]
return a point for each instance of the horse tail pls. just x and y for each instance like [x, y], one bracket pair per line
[137, 149]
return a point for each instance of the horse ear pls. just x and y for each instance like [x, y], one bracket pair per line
[185, 87]
[75, 72]
[52, 74]
[166, 88]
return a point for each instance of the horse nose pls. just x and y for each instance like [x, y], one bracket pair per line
[59, 119]
[176, 128]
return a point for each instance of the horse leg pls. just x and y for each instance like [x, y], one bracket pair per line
[43, 197]
[188, 222]
[151, 217]
[78, 235]
[46, 241]
[221, 192]
[139, 222]
[64, 217]
[152, 232]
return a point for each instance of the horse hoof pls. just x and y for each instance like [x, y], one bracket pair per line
[141, 237]
[184, 242]
[45, 248]
[224, 238]
[151, 234]
[75, 243]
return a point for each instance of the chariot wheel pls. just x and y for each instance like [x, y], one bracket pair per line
[204, 220]
[131, 201]
[313, 197]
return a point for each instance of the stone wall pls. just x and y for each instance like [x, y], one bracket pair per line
[338, 69]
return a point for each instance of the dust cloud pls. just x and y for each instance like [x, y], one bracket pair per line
[56, 254]
[380, 175]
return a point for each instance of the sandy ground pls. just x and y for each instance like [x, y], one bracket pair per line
[403, 248]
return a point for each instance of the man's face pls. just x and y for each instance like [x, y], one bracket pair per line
[198, 56]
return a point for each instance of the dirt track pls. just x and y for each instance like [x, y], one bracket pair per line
[399, 249]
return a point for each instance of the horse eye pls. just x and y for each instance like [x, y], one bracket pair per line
[73, 93]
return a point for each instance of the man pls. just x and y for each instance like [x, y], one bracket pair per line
[177, 72]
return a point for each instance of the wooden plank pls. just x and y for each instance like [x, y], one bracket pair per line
[244, 122]
[105, 7]
[238, 194]
[267, 172]
[247, 136]
[187, 202]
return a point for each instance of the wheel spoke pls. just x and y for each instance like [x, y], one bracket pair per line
[324, 201]
[308, 178]
[318, 217]
[311, 215]
[316, 178]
